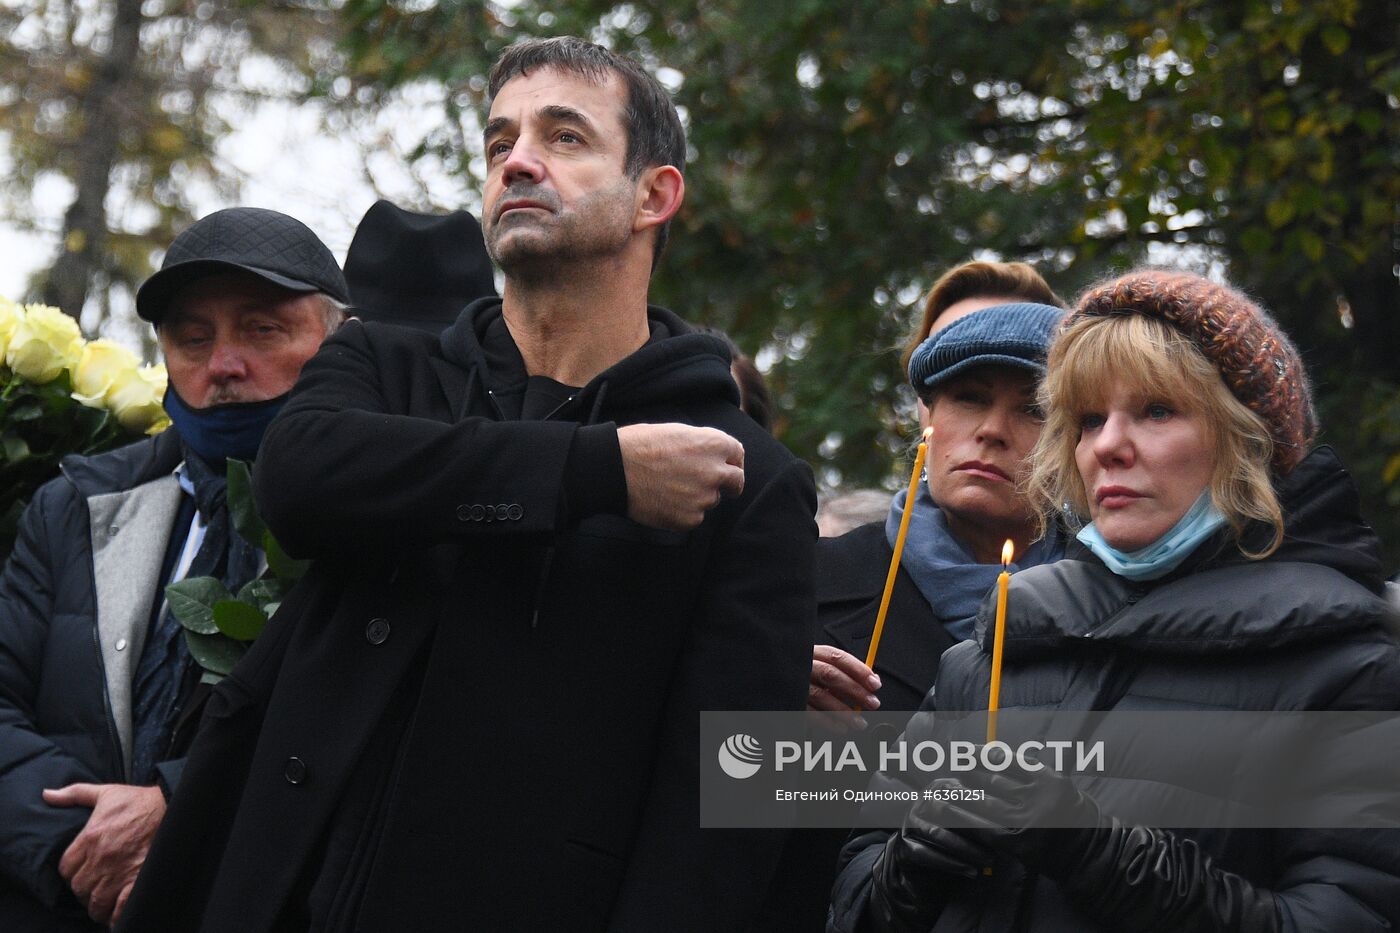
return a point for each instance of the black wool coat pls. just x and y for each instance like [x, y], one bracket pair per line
[851, 572]
[482, 707]
[1304, 629]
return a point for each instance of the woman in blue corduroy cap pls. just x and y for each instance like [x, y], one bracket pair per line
[976, 380]
[975, 361]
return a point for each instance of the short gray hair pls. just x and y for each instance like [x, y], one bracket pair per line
[333, 312]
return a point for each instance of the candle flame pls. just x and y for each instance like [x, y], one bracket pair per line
[1006, 551]
[928, 434]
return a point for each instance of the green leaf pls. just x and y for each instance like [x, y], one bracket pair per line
[1279, 118]
[192, 600]
[1392, 470]
[216, 653]
[238, 619]
[16, 448]
[263, 591]
[1312, 245]
[1279, 212]
[1370, 121]
[282, 566]
[241, 508]
[1256, 240]
[1336, 39]
[91, 422]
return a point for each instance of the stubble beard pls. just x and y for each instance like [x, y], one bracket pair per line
[538, 249]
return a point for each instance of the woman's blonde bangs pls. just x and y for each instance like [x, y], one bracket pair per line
[1093, 354]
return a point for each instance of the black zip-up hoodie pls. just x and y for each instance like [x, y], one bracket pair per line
[675, 365]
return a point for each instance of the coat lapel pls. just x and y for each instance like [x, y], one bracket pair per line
[455, 384]
[851, 573]
[129, 532]
[910, 646]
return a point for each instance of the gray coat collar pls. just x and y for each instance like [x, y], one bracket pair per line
[130, 531]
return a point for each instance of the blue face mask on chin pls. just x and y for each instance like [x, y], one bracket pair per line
[1165, 554]
[219, 432]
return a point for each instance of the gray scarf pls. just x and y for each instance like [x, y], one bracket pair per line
[943, 569]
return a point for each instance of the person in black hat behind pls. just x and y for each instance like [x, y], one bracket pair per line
[418, 270]
[97, 688]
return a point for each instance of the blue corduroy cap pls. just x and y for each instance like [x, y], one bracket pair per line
[1002, 335]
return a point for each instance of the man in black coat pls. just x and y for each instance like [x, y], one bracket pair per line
[544, 542]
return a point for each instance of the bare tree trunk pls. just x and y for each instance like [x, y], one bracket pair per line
[85, 223]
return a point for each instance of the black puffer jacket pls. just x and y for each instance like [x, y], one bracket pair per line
[1301, 630]
[58, 725]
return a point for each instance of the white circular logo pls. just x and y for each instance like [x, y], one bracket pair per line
[740, 756]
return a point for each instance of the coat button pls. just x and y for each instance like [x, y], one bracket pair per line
[295, 772]
[478, 512]
[515, 512]
[377, 631]
[121, 644]
[464, 513]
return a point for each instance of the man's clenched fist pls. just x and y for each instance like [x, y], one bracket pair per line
[675, 472]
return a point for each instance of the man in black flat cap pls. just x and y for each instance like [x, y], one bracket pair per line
[97, 687]
[544, 542]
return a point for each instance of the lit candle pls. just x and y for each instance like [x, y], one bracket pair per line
[898, 550]
[1003, 580]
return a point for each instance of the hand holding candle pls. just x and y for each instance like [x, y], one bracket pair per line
[994, 701]
[919, 456]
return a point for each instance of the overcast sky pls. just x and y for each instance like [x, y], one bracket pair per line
[291, 164]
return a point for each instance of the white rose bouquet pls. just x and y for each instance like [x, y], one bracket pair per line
[60, 394]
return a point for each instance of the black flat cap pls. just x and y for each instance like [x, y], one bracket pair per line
[418, 270]
[277, 248]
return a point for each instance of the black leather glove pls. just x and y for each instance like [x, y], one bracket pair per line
[1009, 810]
[1132, 877]
[922, 867]
[1144, 878]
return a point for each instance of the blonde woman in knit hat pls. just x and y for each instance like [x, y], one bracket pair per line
[1220, 563]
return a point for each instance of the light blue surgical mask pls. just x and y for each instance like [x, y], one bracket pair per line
[1165, 554]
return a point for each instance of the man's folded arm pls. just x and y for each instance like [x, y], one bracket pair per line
[340, 470]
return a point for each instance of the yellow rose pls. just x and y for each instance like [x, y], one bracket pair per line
[100, 365]
[44, 344]
[135, 396]
[10, 314]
